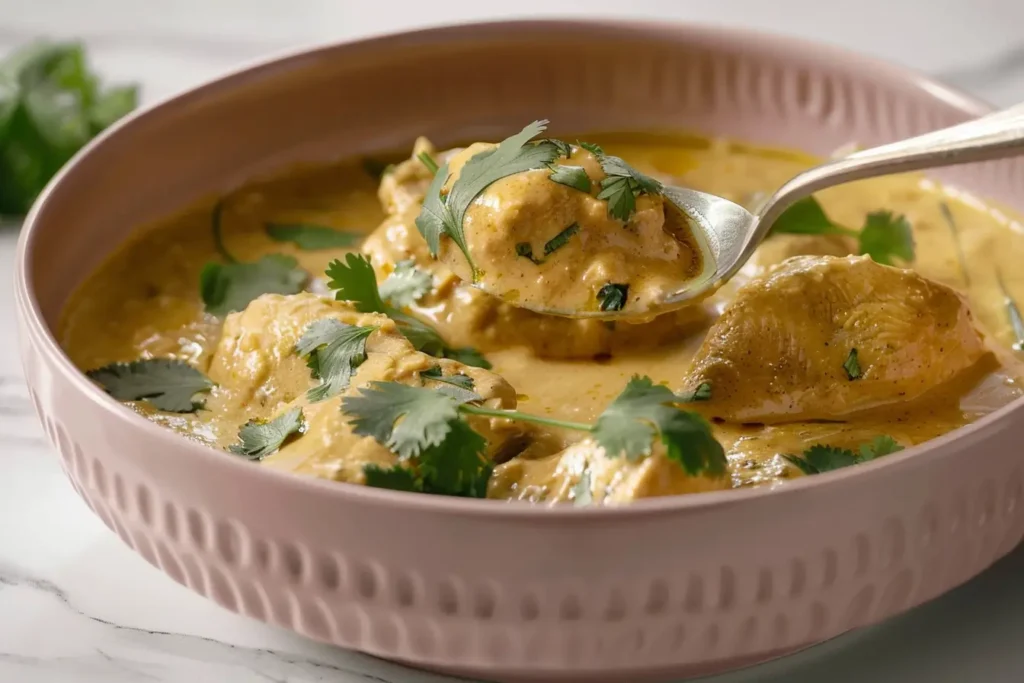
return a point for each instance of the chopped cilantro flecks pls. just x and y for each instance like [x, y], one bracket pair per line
[333, 350]
[525, 250]
[596, 150]
[257, 439]
[612, 297]
[571, 176]
[819, 458]
[167, 384]
[312, 237]
[852, 365]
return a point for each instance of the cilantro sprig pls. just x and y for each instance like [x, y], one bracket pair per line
[333, 350]
[425, 427]
[355, 282]
[884, 236]
[231, 286]
[444, 214]
[165, 383]
[820, 458]
[259, 438]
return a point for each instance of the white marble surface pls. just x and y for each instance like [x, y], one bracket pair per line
[77, 606]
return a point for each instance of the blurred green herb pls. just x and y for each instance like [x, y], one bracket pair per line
[51, 105]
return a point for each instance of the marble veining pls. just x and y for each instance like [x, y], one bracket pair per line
[76, 605]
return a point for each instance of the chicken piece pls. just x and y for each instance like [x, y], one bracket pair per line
[467, 316]
[556, 478]
[259, 376]
[543, 245]
[404, 186]
[788, 347]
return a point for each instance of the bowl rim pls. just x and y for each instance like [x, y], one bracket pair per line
[27, 304]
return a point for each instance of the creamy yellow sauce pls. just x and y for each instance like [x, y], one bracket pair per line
[145, 302]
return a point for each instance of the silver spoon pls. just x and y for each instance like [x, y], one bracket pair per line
[732, 233]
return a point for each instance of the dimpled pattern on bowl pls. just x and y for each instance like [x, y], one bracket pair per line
[662, 589]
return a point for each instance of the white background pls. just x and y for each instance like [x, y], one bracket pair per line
[77, 606]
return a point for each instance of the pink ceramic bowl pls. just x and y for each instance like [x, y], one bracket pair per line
[666, 587]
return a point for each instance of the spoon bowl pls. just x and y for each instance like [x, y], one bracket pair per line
[728, 234]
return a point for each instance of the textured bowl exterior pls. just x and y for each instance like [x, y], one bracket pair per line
[664, 588]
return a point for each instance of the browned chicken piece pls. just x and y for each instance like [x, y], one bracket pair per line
[607, 481]
[822, 337]
[259, 376]
[778, 248]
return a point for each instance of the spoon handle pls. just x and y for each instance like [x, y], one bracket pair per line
[994, 136]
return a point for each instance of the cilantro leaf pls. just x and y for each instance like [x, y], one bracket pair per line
[564, 148]
[612, 297]
[434, 215]
[581, 493]
[310, 236]
[879, 446]
[456, 467]
[701, 393]
[258, 439]
[427, 416]
[885, 236]
[467, 356]
[512, 155]
[168, 384]
[458, 379]
[406, 285]
[333, 350]
[227, 287]
[396, 478]
[852, 366]
[643, 409]
[806, 217]
[820, 458]
[571, 176]
[596, 150]
[623, 185]
[428, 161]
[356, 283]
